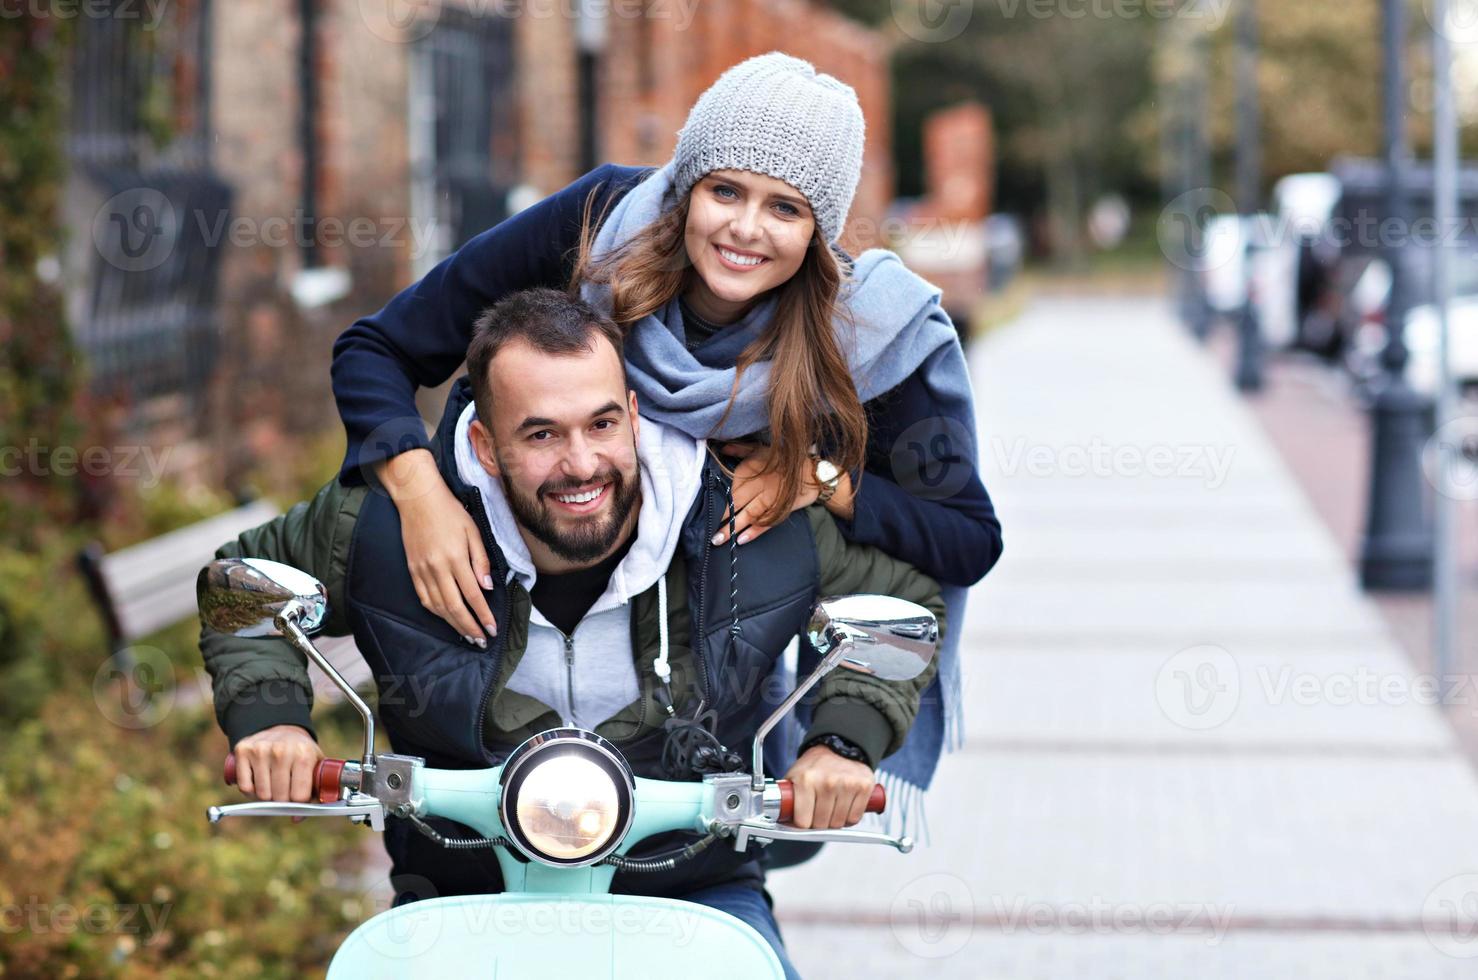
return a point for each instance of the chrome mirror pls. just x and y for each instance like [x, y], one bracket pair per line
[245, 597]
[889, 638]
[254, 597]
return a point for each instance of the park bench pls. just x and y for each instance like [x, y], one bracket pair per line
[150, 585]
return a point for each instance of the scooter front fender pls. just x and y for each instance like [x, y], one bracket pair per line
[629, 937]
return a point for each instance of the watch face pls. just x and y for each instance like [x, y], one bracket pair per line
[826, 471]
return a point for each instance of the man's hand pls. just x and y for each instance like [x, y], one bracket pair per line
[830, 792]
[278, 763]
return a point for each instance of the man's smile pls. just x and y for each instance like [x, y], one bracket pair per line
[582, 501]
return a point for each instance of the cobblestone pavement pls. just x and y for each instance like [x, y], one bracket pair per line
[1194, 748]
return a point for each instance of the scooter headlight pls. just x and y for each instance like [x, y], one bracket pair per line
[566, 798]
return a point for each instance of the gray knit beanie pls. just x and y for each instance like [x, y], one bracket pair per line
[776, 115]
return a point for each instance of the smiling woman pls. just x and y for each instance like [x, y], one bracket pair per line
[746, 234]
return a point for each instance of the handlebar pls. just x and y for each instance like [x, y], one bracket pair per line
[325, 777]
[875, 803]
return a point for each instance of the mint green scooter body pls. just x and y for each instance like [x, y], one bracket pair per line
[560, 923]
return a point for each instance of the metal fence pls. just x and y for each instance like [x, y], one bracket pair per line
[463, 127]
[146, 318]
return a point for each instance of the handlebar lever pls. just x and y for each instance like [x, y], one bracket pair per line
[357, 808]
[765, 831]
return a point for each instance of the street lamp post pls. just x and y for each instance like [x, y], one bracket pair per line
[1445, 209]
[1396, 554]
[1249, 177]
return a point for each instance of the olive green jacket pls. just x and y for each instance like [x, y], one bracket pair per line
[264, 681]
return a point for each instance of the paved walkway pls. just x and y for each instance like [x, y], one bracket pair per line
[1193, 749]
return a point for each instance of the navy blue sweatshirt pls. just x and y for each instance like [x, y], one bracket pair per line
[420, 338]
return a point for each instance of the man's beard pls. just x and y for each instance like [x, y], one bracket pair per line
[591, 537]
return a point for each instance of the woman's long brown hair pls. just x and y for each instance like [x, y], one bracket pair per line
[812, 398]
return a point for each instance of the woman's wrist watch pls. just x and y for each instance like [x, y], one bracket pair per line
[828, 478]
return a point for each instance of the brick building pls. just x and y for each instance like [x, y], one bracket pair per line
[359, 141]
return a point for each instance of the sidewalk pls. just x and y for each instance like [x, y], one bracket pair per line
[1193, 748]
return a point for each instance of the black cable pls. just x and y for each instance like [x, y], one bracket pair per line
[457, 843]
[661, 862]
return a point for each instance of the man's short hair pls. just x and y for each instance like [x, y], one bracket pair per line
[550, 321]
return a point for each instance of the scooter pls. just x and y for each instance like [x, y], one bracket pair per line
[563, 812]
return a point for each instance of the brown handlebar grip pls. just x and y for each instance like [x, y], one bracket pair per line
[876, 803]
[325, 777]
[326, 780]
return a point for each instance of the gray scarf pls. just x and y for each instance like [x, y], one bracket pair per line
[897, 329]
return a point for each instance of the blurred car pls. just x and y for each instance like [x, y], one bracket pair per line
[1242, 262]
[1294, 268]
[1367, 302]
[1005, 249]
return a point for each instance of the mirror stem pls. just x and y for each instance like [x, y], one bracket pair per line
[287, 622]
[757, 759]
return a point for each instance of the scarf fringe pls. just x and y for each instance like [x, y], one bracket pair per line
[907, 808]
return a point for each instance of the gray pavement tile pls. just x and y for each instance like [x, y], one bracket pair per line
[1368, 701]
[961, 952]
[1294, 836]
[1188, 610]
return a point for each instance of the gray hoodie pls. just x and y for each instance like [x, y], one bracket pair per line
[589, 676]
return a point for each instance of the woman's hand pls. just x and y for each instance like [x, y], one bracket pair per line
[755, 491]
[443, 546]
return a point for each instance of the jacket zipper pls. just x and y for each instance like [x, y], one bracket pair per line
[702, 629]
[480, 518]
[570, 673]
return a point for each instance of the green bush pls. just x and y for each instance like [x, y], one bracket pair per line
[109, 823]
